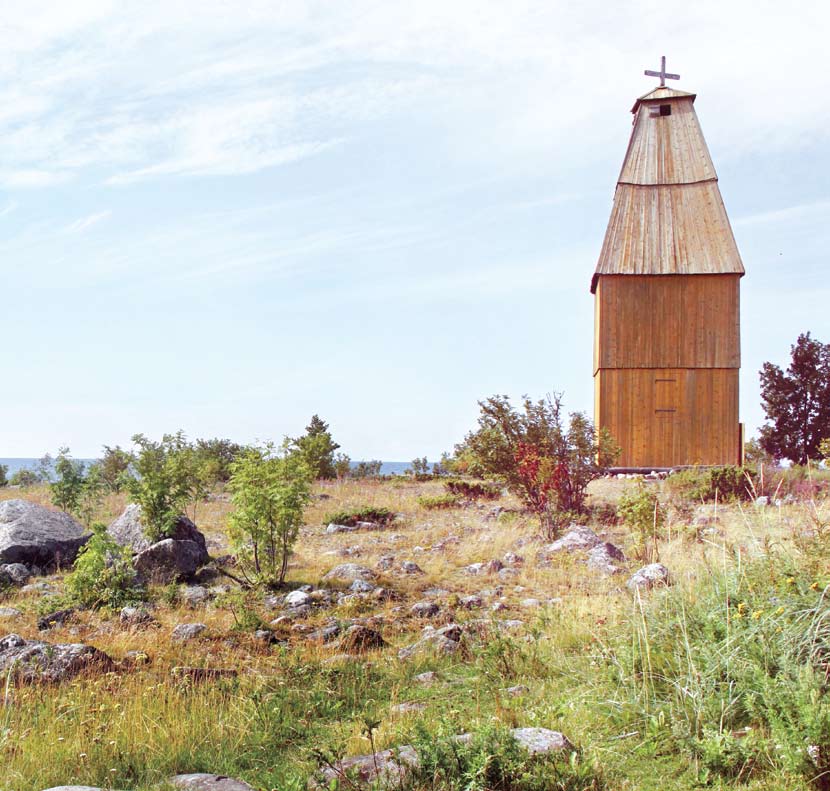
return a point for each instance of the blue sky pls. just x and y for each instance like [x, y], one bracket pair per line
[224, 217]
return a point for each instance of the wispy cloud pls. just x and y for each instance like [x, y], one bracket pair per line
[787, 214]
[85, 223]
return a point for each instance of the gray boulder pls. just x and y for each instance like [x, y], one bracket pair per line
[169, 560]
[648, 577]
[35, 536]
[604, 557]
[538, 741]
[33, 660]
[14, 574]
[387, 769]
[208, 782]
[187, 631]
[128, 531]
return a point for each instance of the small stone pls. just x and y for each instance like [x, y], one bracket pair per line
[361, 586]
[410, 707]
[648, 577]
[410, 567]
[577, 538]
[425, 609]
[349, 572]
[335, 528]
[386, 769]
[135, 616]
[470, 602]
[530, 603]
[196, 596]
[538, 741]
[517, 691]
[386, 562]
[297, 598]
[10, 612]
[57, 618]
[187, 631]
[15, 573]
[512, 559]
[427, 678]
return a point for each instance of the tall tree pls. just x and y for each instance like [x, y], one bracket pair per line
[797, 402]
[316, 448]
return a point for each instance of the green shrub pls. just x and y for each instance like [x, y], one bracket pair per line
[4, 481]
[25, 477]
[103, 575]
[731, 670]
[474, 490]
[491, 760]
[706, 485]
[269, 490]
[640, 511]
[440, 501]
[366, 513]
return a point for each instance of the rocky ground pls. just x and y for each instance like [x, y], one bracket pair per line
[421, 608]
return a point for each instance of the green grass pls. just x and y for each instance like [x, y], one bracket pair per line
[718, 682]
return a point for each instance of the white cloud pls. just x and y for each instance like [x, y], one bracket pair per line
[85, 223]
[160, 89]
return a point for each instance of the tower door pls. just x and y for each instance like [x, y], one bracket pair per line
[665, 399]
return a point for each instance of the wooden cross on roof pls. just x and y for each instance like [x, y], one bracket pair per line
[662, 74]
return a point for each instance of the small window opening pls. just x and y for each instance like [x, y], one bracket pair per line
[665, 109]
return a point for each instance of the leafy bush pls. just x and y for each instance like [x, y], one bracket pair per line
[114, 467]
[269, 492]
[544, 463]
[705, 485]
[641, 512]
[25, 477]
[365, 513]
[440, 501]
[4, 481]
[103, 575]
[166, 481]
[69, 482]
[491, 760]
[474, 490]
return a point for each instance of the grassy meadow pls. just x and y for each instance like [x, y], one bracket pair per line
[715, 682]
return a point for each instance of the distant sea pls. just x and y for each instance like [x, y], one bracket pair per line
[388, 467]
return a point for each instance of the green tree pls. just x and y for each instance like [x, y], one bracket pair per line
[797, 402]
[342, 465]
[317, 448]
[269, 491]
[114, 467]
[165, 482]
[24, 477]
[4, 481]
[641, 512]
[69, 481]
[214, 458]
[419, 467]
[544, 463]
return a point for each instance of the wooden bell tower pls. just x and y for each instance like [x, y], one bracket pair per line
[667, 298]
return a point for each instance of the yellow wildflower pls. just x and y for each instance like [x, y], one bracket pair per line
[815, 586]
[757, 614]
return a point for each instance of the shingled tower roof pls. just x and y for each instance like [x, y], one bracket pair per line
[668, 216]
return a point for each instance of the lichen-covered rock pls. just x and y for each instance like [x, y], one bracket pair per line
[425, 609]
[129, 531]
[604, 557]
[14, 574]
[648, 577]
[446, 640]
[349, 572]
[578, 538]
[33, 660]
[297, 598]
[208, 782]
[539, 741]
[35, 536]
[168, 561]
[387, 769]
[187, 631]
